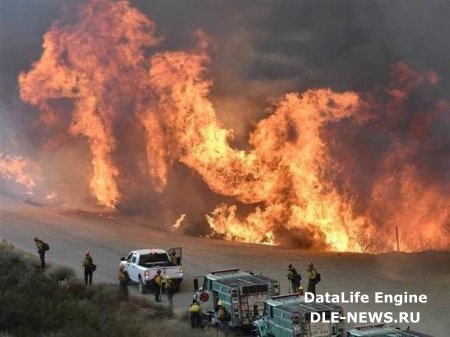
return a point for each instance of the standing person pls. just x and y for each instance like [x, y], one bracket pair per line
[124, 280]
[157, 282]
[42, 247]
[170, 290]
[312, 274]
[222, 316]
[88, 265]
[195, 311]
[294, 277]
[174, 258]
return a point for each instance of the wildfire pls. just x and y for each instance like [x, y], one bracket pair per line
[81, 61]
[18, 169]
[300, 177]
[177, 223]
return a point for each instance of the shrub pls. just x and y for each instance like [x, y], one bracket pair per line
[61, 273]
[33, 303]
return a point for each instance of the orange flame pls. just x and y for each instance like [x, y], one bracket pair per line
[284, 173]
[18, 169]
[83, 61]
[178, 222]
[287, 153]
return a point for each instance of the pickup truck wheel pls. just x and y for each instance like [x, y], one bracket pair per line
[141, 286]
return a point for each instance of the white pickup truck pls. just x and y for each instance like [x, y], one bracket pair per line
[143, 264]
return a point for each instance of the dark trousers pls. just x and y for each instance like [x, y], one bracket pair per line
[87, 277]
[295, 285]
[170, 298]
[123, 291]
[158, 293]
[312, 287]
[196, 320]
[42, 257]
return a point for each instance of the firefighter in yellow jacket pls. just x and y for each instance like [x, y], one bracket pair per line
[195, 312]
[170, 290]
[312, 274]
[157, 283]
[124, 280]
[88, 266]
[42, 247]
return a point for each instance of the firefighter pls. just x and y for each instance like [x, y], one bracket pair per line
[294, 277]
[170, 290]
[195, 311]
[221, 316]
[124, 280]
[89, 267]
[157, 283]
[42, 247]
[312, 274]
[173, 258]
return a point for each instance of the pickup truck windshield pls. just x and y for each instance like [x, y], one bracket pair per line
[153, 259]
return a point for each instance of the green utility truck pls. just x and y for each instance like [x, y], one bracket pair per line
[380, 330]
[242, 293]
[290, 316]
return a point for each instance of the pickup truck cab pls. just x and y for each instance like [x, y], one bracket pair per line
[143, 264]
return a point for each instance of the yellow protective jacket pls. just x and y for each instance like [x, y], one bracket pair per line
[169, 284]
[158, 280]
[123, 277]
[195, 308]
[87, 262]
[40, 246]
[312, 273]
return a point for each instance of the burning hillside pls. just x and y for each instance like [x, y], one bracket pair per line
[323, 169]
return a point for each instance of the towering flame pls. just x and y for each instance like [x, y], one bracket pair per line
[304, 179]
[282, 172]
[95, 61]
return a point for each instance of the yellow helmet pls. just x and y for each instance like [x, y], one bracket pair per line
[219, 302]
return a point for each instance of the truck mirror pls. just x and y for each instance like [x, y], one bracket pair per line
[195, 284]
[122, 259]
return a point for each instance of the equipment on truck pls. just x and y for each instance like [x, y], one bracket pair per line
[241, 292]
[290, 316]
[142, 266]
[381, 330]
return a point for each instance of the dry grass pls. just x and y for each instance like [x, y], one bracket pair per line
[54, 304]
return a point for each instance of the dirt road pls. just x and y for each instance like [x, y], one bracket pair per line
[71, 232]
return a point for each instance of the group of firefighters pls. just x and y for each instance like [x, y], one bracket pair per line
[87, 263]
[160, 284]
[295, 278]
[167, 284]
[222, 316]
